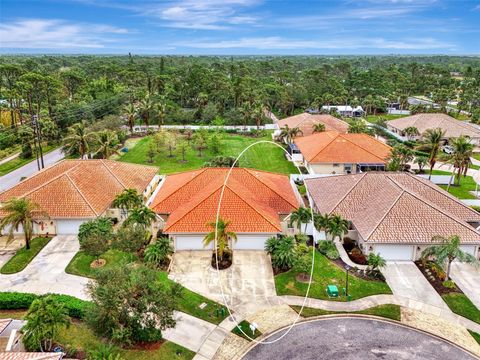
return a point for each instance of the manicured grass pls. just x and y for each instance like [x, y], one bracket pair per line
[327, 273]
[376, 118]
[245, 326]
[19, 162]
[80, 264]
[266, 157]
[463, 191]
[475, 335]
[387, 311]
[81, 338]
[23, 256]
[438, 172]
[461, 305]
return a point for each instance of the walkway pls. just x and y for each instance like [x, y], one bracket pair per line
[467, 278]
[345, 258]
[46, 273]
[7, 159]
[27, 170]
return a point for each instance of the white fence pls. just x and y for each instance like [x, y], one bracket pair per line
[438, 179]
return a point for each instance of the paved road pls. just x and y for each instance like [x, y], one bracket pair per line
[467, 277]
[353, 339]
[12, 178]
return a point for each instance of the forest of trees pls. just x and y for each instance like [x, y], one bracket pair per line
[63, 90]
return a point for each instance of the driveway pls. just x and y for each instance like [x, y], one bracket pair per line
[355, 338]
[27, 170]
[46, 273]
[467, 278]
[406, 280]
[247, 284]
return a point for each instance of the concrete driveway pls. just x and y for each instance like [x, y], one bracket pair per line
[46, 273]
[247, 284]
[405, 279]
[467, 278]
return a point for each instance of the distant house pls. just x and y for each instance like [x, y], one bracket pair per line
[452, 127]
[72, 192]
[395, 214]
[344, 110]
[306, 122]
[331, 152]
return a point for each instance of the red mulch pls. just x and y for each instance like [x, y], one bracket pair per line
[224, 263]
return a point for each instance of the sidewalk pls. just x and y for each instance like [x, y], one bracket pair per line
[7, 159]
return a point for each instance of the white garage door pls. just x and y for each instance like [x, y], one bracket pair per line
[190, 243]
[67, 227]
[395, 252]
[250, 242]
[469, 249]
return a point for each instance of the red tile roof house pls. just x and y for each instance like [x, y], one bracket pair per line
[331, 152]
[395, 214]
[256, 203]
[72, 192]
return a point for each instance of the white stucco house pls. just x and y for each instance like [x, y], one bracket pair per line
[72, 192]
[255, 203]
[395, 214]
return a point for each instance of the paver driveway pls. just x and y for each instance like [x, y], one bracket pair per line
[247, 284]
[467, 278]
[406, 280]
[46, 273]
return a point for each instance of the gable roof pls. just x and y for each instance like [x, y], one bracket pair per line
[305, 122]
[80, 188]
[451, 126]
[334, 147]
[252, 200]
[394, 207]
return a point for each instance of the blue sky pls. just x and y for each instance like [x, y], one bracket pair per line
[240, 26]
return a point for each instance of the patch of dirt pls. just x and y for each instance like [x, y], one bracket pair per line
[98, 263]
[147, 346]
[303, 278]
[433, 278]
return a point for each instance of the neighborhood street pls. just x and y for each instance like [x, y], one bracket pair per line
[14, 177]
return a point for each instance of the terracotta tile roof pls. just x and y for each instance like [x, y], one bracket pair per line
[451, 126]
[394, 207]
[81, 188]
[334, 147]
[30, 356]
[252, 200]
[3, 324]
[306, 121]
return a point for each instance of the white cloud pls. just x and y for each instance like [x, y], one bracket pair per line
[55, 34]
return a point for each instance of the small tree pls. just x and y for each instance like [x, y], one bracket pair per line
[95, 236]
[182, 148]
[300, 216]
[376, 261]
[421, 161]
[151, 152]
[282, 251]
[223, 235]
[157, 253]
[337, 226]
[215, 144]
[303, 260]
[411, 132]
[142, 216]
[128, 199]
[130, 238]
[171, 142]
[45, 318]
[200, 141]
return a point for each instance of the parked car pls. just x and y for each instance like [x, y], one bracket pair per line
[447, 149]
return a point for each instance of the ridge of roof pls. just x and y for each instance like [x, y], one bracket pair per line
[349, 191]
[111, 172]
[80, 193]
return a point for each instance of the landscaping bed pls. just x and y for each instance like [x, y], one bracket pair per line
[23, 256]
[436, 276]
[388, 311]
[80, 265]
[245, 326]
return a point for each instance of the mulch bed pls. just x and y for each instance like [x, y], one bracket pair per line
[359, 274]
[436, 282]
[224, 263]
[98, 263]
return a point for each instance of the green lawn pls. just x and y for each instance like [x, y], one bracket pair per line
[475, 335]
[266, 157]
[387, 311]
[80, 265]
[461, 305]
[81, 338]
[327, 273]
[19, 162]
[375, 118]
[12, 314]
[23, 256]
[245, 326]
[463, 191]
[476, 156]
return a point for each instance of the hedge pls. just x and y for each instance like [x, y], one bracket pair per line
[14, 300]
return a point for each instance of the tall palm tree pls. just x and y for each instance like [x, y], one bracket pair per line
[318, 127]
[337, 226]
[411, 132]
[460, 158]
[20, 212]
[161, 111]
[145, 109]
[288, 134]
[223, 236]
[132, 114]
[321, 221]
[142, 216]
[128, 199]
[79, 139]
[431, 140]
[300, 216]
[107, 142]
[448, 251]
[257, 113]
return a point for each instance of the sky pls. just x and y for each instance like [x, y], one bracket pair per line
[240, 27]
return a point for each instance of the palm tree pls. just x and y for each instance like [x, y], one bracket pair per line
[321, 221]
[411, 132]
[132, 114]
[257, 113]
[128, 199]
[358, 127]
[448, 251]
[300, 216]
[431, 140]
[20, 212]
[376, 261]
[79, 139]
[288, 134]
[460, 158]
[145, 109]
[223, 236]
[337, 226]
[142, 216]
[318, 127]
[161, 111]
[107, 142]
[155, 254]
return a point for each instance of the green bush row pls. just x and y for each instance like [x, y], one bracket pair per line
[16, 300]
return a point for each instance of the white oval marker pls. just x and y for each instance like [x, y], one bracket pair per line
[216, 252]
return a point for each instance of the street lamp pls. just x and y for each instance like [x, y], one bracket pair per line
[346, 280]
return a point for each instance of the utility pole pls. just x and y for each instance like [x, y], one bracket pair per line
[38, 140]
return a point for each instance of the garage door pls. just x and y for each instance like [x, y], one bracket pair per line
[190, 243]
[67, 227]
[395, 252]
[469, 249]
[250, 242]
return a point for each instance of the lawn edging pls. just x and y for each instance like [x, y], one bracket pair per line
[23, 257]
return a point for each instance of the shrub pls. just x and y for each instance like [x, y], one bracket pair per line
[357, 256]
[449, 284]
[328, 249]
[348, 244]
[130, 238]
[95, 235]
[282, 251]
[157, 253]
